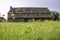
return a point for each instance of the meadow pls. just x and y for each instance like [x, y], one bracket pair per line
[39, 30]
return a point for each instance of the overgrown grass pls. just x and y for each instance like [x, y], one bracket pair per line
[46, 30]
[59, 17]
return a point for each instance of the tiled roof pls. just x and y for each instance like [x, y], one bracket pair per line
[30, 9]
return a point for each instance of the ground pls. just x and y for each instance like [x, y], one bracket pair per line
[39, 30]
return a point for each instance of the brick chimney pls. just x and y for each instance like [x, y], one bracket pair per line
[0, 14]
[10, 7]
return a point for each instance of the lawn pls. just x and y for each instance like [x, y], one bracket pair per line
[40, 30]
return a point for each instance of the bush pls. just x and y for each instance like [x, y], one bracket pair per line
[59, 17]
[56, 16]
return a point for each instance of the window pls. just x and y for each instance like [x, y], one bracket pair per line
[37, 14]
[21, 14]
[35, 10]
[19, 10]
[27, 10]
[27, 14]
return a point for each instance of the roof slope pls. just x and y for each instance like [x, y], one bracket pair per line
[29, 9]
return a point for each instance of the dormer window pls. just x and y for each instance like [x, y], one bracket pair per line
[19, 10]
[27, 10]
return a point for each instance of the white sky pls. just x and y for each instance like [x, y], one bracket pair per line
[51, 4]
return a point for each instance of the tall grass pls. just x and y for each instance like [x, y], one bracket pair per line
[59, 17]
[46, 30]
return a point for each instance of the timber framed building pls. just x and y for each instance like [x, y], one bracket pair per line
[28, 13]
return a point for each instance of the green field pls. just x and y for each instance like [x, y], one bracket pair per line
[41, 30]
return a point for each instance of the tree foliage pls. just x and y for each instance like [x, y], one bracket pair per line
[55, 15]
[13, 16]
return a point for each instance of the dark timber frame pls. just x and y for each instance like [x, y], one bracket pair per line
[28, 13]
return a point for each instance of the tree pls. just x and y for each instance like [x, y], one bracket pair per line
[59, 16]
[55, 15]
[2, 18]
[3, 15]
[13, 16]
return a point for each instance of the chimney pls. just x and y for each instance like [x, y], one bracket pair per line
[10, 7]
[0, 14]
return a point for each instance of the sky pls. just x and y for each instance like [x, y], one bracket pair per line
[52, 5]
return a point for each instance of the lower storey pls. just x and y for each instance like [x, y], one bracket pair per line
[26, 19]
